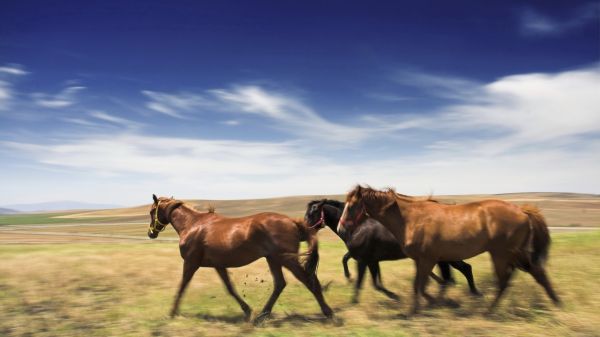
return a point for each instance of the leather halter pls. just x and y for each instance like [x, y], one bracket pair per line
[156, 223]
[321, 221]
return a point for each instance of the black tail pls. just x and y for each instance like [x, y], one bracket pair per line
[311, 257]
[540, 234]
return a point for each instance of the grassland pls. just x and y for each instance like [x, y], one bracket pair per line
[126, 290]
[96, 274]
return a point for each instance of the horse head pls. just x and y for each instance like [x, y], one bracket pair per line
[160, 214]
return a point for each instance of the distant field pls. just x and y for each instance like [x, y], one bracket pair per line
[560, 209]
[126, 289]
[576, 211]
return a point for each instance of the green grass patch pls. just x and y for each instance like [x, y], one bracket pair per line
[47, 218]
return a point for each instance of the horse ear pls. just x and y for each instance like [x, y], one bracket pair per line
[359, 190]
[155, 198]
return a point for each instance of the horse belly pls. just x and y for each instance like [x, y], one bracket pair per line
[460, 249]
[229, 257]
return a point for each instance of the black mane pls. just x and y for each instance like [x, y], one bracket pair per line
[330, 202]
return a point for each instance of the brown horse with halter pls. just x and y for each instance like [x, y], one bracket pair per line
[212, 240]
[515, 236]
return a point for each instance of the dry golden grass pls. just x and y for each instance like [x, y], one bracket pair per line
[126, 289]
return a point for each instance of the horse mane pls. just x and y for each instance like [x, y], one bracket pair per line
[370, 194]
[330, 202]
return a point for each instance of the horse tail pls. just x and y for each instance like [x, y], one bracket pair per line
[539, 236]
[311, 257]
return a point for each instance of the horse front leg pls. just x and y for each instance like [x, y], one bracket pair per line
[225, 278]
[345, 264]
[189, 268]
[377, 283]
[423, 269]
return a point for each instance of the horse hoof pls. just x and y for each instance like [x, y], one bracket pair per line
[247, 315]
[328, 312]
[394, 297]
[354, 300]
[261, 318]
[476, 294]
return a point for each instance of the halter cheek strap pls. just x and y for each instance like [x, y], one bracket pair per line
[363, 213]
[321, 220]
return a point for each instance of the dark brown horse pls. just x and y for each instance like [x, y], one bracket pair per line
[515, 237]
[212, 240]
[370, 243]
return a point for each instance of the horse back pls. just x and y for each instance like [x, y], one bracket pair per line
[457, 232]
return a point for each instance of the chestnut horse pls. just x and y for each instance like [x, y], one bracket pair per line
[212, 240]
[515, 236]
[370, 243]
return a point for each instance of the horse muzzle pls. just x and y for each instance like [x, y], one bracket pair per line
[152, 234]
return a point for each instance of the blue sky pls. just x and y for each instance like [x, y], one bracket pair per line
[109, 102]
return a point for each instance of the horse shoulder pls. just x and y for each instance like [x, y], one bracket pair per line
[192, 244]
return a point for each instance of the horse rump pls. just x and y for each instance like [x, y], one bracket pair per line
[540, 235]
[310, 259]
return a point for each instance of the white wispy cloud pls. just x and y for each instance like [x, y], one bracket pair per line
[174, 105]
[388, 97]
[13, 70]
[534, 23]
[284, 111]
[187, 167]
[288, 113]
[7, 72]
[63, 99]
[525, 132]
[103, 116]
[232, 122]
[513, 111]
[445, 86]
[162, 156]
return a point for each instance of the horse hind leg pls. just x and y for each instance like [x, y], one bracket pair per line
[446, 273]
[278, 286]
[539, 274]
[225, 278]
[311, 282]
[504, 271]
[467, 271]
[376, 276]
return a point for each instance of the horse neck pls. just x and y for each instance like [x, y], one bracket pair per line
[332, 216]
[183, 218]
[392, 217]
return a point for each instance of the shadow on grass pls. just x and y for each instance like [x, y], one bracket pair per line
[298, 319]
[236, 318]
